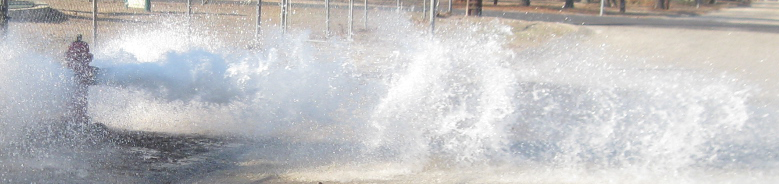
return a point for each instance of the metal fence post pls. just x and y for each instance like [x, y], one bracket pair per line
[283, 4]
[327, 18]
[424, 9]
[467, 7]
[259, 19]
[189, 21]
[94, 24]
[351, 18]
[450, 7]
[601, 7]
[365, 17]
[432, 15]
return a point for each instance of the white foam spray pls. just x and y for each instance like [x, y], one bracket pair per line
[33, 88]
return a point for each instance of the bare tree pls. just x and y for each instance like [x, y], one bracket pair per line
[568, 4]
[474, 7]
[663, 4]
[3, 18]
[621, 6]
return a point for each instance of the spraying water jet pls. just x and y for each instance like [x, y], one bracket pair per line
[460, 106]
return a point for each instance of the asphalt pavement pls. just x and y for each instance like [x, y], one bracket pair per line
[756, 18]
[740, 42]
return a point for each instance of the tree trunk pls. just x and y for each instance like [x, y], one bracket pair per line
[3, 18]
[622, 6]
[526, 2]
[568, 4]
[474, 7]
[495, 2]
[663, 4]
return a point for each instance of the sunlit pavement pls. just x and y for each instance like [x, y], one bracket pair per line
[737, 41]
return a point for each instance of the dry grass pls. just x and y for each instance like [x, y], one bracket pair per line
[233, 21]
